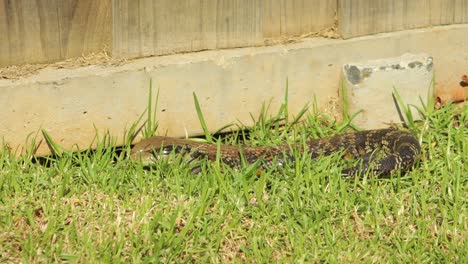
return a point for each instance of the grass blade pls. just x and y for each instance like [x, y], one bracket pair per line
[207, 133]
[54, 148]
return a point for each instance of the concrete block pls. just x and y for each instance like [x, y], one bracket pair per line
[370, 86]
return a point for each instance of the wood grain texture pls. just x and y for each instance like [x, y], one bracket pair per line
[41, 31]
[286, 18]
[145, 27]
[365, 17]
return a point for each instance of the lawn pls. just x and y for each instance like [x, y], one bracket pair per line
[99, 206]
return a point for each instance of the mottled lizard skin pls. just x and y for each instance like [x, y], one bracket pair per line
[398, 149]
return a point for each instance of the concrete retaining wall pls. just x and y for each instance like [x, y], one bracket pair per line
[230, 84]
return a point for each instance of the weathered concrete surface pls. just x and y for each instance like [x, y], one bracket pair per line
[370, 87]
[230, 85]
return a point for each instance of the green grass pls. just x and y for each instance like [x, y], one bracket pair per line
[98, 206]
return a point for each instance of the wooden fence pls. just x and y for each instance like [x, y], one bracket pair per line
[42, 31]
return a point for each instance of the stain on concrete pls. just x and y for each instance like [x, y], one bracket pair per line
[366, 72]
[429, 64]
[370, 85]
[414, 64]
[353, 73]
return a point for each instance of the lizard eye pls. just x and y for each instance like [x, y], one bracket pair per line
[280, 163]
[167, 150]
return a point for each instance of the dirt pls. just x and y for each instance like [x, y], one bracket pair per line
[101, 58]
[331, 33]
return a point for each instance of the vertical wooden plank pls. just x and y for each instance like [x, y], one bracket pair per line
[133, 26]
[9, 26]
[207, 25]
[146, 27]
[417, 14]
[364, 17]
[238, 23]
[177, 25]
[445, 12]
[88, 27]
[30, 37]
[5, 29]
[143, 28]
[40, 31]
[47, 11]
[119, 34]
[461, 11]
[272, 19]
[441, 12]
[13, 38]
[285, 18]
[99, 27]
